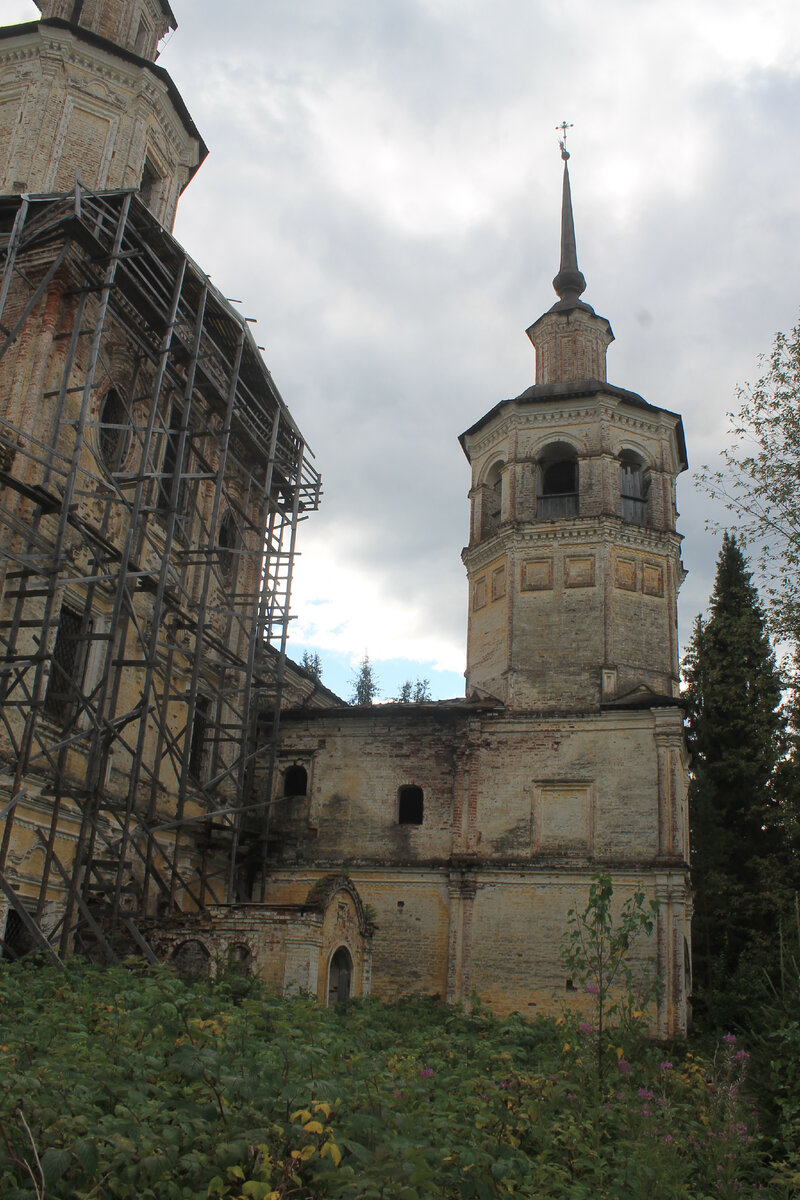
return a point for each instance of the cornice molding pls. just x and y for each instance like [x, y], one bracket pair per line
[517, 538]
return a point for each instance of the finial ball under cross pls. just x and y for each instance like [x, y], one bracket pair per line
[562, 141]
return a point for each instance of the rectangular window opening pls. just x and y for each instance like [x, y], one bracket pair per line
[67, 666]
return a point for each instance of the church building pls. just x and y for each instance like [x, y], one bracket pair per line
[169, 781]
[151, 483]
[438, 848]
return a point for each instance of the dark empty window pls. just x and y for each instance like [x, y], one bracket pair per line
[115, 431]
[198, 750]
[65, 680]
[558, 495]
[226, 543]
[295, 781]
[191, 960]
[410, 805]
[173, 484]
[17, 941]
[559, 479]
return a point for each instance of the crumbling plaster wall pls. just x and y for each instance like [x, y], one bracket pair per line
[519, 812]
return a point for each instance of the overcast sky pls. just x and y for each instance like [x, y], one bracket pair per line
[382, 193]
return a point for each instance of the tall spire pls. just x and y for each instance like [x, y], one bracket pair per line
[570, 339]
[569, 283]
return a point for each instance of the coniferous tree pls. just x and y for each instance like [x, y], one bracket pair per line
[365, 685]
[312, 663]
[418, 692]
[736, 738]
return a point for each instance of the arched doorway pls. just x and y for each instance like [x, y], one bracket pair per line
[340, 976]
[191, 960]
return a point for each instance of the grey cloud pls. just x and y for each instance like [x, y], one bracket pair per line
[389, 337]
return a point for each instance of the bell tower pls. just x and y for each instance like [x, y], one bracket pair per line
[81, 91]
[573, 559]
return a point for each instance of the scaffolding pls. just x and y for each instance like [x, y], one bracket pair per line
[151, 485]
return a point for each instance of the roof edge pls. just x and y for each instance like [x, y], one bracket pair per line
[575, 390]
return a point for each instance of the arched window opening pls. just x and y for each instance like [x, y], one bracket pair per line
[115, 431]
[239, 958]
[410, 805]
[295, 781]
[492, 505]
[191, 960]
[634, 486]
[17, 941]
[340, 976]
[227, 542]
[558, 474]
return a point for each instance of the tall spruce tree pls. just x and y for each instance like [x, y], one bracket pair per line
[736, 733]
[364, 683]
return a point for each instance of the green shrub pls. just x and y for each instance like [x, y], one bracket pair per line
[122, 1083]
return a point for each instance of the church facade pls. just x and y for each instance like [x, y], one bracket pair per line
[438, 848]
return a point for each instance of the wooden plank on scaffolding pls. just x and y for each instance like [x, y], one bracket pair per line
[141, 942]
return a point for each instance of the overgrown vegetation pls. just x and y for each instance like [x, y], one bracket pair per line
[597, 950]
[414, 692]
[131, 1083]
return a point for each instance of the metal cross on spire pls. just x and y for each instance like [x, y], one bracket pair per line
[562, 141]
[569, 282]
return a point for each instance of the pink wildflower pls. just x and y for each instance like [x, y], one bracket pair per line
[730, 1039]
[593, 989]
[584, 1027]
[624, 1066]
[645, 1093]
[666, 1066]
[741, 1056]
[426, 1072]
